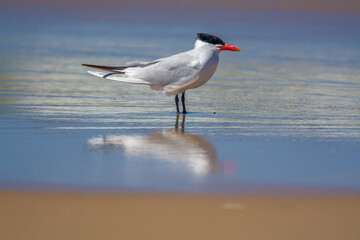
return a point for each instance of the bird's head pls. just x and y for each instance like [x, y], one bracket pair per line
[213, 42]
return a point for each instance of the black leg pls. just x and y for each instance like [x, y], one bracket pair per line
[177, 103]
[183, 102]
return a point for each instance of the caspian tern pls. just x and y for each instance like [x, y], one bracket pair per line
[175, 74]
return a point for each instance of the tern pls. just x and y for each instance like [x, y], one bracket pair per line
[175, 74]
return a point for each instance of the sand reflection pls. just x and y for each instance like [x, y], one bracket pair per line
[174, 146]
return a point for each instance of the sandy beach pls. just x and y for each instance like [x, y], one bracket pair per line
[40, 215]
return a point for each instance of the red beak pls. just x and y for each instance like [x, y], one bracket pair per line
[229, 47]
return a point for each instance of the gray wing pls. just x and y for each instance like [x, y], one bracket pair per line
[178, 69]
[121, 68]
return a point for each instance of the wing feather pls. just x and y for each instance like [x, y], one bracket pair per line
[118, 77]
[178, 69]
[121, 68]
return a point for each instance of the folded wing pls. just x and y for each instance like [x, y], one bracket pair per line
[117, 73]
[121, 68]
[120, 77]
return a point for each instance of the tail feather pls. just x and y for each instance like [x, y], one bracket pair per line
[120, 68]
[106, 68]
[116, 76]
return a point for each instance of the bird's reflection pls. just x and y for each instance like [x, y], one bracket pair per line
[174, 146]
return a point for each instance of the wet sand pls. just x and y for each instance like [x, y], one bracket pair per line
[39, 215]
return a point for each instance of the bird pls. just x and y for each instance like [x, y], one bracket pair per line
[175, 74]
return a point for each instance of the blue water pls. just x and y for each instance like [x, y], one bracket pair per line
[283, 113]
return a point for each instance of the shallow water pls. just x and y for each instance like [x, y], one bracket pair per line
[283, 113]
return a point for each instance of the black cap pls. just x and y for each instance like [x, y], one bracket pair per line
[210, 39]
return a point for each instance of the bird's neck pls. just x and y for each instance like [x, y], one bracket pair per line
[208, 56]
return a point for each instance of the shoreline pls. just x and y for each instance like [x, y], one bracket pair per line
[139, 215]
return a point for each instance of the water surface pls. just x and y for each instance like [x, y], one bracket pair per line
[283, 113]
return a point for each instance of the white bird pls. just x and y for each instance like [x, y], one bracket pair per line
[175, 74]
